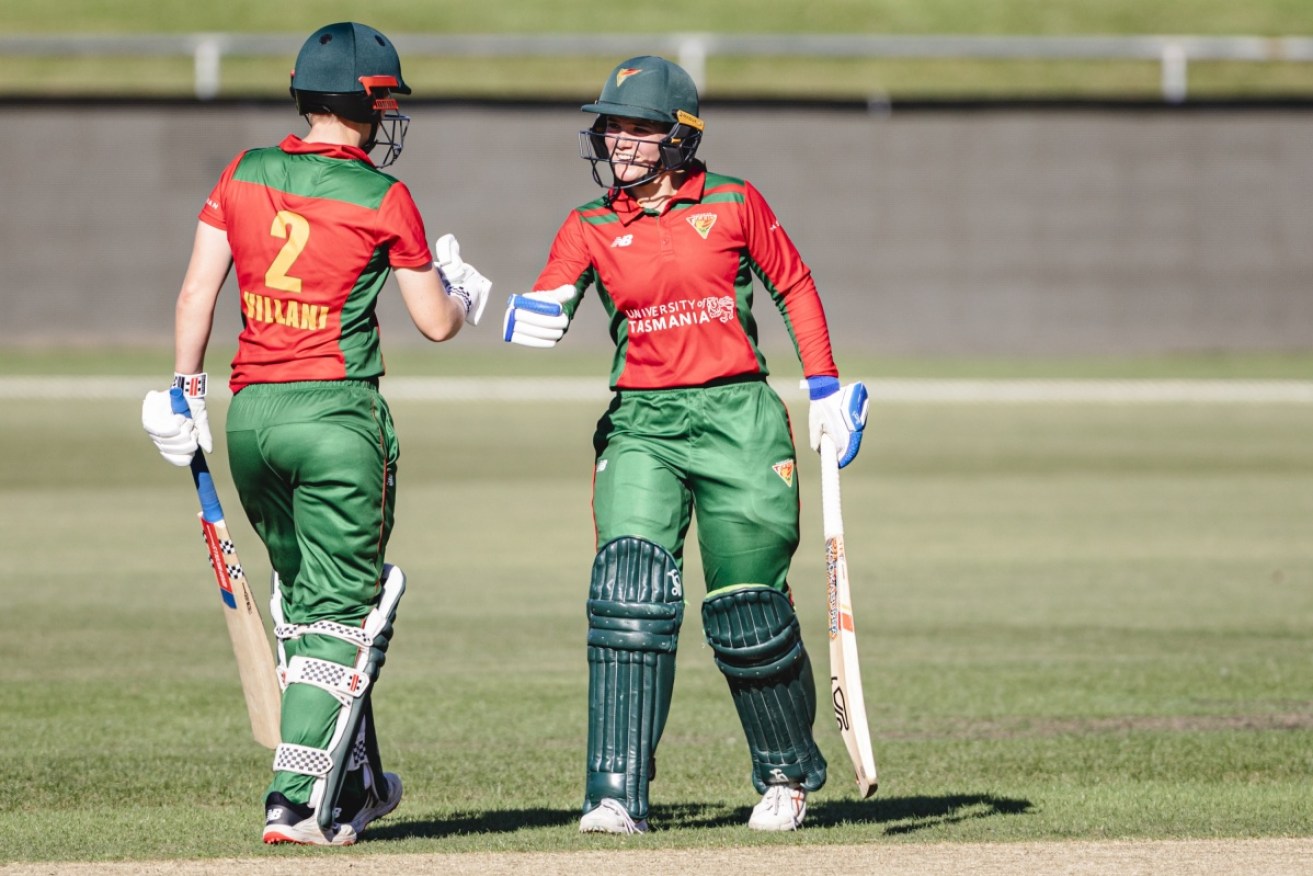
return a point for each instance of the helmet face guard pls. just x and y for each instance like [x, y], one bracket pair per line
[390, 130]
[375, 106]
[677, 149]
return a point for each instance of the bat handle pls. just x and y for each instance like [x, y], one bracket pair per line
[211, 510]
[831, 504]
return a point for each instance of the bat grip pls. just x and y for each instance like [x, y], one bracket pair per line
[211, 510]
[831, 505]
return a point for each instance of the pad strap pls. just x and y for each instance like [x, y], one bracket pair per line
[317, 762]
[302, 759]
[355, 635]
[344, 683]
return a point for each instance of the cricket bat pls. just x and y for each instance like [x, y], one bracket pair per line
[845, 673]
[255, 663]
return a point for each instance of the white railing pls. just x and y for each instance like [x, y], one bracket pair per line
[1172, 53]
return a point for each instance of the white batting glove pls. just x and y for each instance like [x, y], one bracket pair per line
[538, 318]
[177, 436]
[461, 280]
[839, 412]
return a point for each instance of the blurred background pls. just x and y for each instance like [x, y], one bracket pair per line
[1013, 179]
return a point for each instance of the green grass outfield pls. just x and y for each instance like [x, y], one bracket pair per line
[1078, 622]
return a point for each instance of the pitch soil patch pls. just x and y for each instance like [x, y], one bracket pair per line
[1259, 857]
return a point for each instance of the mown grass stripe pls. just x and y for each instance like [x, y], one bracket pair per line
[913, 391]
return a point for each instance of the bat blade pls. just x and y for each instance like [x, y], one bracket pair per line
[255, 662]
[845, 670]
[255, 666]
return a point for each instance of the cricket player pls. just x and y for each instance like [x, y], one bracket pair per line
[314, 229]
[693, 426]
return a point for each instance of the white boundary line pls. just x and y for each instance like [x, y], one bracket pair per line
[911, 391]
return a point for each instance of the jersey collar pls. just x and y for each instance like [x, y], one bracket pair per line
[626, 206]
[296, 146]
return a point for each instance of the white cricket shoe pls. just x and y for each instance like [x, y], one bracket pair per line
[782, 807]
[288, 822]
[296, 823]
[610, 816]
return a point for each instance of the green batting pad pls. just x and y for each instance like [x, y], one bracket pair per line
[635, 608]
[757, 641]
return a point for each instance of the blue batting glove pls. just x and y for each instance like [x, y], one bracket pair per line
[837, 411]
[537, 319]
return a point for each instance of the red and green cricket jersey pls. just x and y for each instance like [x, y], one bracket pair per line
[315, 230]
[678, 286]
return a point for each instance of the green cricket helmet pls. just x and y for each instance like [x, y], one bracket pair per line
[351, 70]
[654, 89]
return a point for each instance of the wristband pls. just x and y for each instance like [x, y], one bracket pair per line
[192, 385]
[821, 387]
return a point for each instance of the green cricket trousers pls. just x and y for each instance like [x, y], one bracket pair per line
[315, 467]
[724, 452]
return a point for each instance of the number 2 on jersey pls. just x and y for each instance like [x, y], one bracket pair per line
[293, 228]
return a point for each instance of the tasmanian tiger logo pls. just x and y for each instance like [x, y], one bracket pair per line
[720, 308]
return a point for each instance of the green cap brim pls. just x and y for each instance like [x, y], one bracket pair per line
[626, 111]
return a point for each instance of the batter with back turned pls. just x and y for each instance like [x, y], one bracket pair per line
[693, 427]
[314, 229]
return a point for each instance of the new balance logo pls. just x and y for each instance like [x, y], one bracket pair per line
[623, 240]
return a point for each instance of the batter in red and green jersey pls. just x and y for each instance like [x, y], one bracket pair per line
[672, 250]
[314, 230]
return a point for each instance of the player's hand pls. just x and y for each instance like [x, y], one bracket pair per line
[177, 436]
[538, 318]
[461, 280]
[837, 411]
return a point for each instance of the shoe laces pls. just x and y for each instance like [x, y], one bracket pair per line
[780, 797]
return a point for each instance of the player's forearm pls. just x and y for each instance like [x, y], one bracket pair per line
[437, 315]
[193, 322]
[802, 308]
[441, 320]
[191, 337]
